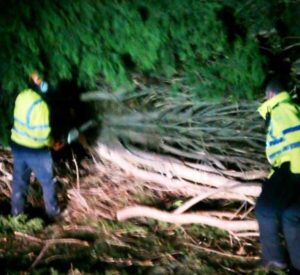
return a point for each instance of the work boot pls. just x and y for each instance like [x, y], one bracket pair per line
[272, 268]
[60, 217]
[276, 265]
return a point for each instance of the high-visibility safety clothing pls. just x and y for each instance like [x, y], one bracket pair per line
[283, 131]
[31, 120]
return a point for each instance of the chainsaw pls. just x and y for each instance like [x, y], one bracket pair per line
[75, 132]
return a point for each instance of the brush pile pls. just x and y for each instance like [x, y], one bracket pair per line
[192, 151]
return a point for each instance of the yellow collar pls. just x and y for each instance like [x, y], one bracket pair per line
[268, 105]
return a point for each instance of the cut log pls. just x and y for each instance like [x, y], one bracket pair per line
[176, 177]
[147, 212]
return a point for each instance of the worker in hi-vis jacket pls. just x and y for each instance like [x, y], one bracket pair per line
[30, 143]
[278, 206]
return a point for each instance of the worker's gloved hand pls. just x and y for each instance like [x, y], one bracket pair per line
[58, 145]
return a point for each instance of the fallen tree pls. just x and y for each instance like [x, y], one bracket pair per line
[172, 176]
[220, 135]
[157, 173]
[193, 150]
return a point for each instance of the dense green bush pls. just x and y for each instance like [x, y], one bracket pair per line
[83, 40]
[211, 46]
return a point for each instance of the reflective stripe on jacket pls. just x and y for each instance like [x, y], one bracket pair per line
[31, 120]
[283, 133]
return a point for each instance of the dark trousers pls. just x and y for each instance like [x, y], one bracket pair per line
[38, 161]
[278, 215]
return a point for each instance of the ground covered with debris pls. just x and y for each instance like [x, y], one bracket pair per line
[91, 238]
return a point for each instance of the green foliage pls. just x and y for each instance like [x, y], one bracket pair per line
[265, 16]
[83, 40]
[235, 75]
[20, 223]
[210, 46]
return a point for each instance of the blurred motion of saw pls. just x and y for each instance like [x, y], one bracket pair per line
[75, 132]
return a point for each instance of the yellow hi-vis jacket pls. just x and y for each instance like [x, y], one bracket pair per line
[31, 120]
[283, 133]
